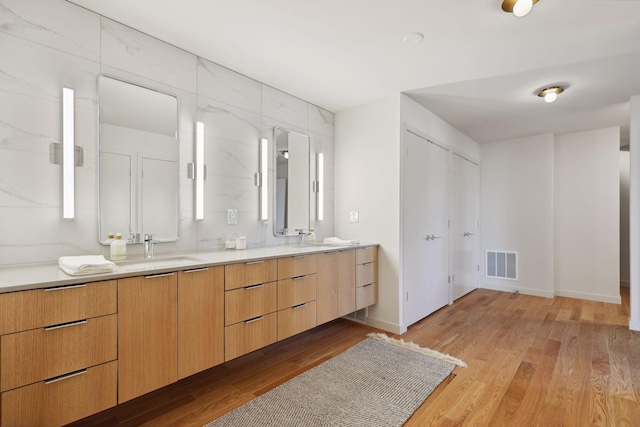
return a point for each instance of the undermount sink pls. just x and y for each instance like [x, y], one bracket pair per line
[155, 263]
[321, 246]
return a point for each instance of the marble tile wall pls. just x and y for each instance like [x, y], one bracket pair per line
[48, 44]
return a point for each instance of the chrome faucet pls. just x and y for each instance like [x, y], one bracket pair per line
[302, 234]
[148, 246]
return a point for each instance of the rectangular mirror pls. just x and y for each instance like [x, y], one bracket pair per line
[138, 161]
[292, 183]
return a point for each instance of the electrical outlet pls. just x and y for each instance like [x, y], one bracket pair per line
[232, 216]
[354, 216]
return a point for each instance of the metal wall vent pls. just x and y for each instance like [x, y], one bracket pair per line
[502, 265]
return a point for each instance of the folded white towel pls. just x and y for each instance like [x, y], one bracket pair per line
[336, 241]
[85, 264]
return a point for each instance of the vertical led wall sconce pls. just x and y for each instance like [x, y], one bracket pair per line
[68, 150]
[320, 186]
[262, 179]
[200, 171]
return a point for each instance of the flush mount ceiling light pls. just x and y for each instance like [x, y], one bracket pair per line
[519, 8]
[551, 93]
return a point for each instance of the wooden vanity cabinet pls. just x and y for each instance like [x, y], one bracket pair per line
[327, 287]
[200, 320]
[366, 277]
[336, 296]
[58, 353]
[71, 351]
[147, 334]
[296, 295]
[251, 297]
[346, 282]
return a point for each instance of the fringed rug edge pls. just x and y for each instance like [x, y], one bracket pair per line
[415, 347]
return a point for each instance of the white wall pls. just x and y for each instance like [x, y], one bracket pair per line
[587, 215]
[625, 276]
[516, 211]
[368, 146]
[554, 200]
[416, 116]
[71, 46]
[368, 168]
[634, 213]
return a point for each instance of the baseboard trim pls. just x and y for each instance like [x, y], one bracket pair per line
[524, 291]
[386, 326]
[612, 299]
[634, 325]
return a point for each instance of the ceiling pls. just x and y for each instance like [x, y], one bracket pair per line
[478, 67]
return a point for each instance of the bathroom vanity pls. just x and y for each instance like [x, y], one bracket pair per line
[74, 346]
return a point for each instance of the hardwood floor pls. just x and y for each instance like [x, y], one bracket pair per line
[532, 362]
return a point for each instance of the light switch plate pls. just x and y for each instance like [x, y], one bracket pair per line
[232, 216]
[354, 216]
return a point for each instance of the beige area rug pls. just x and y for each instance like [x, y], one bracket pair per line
[378, 382]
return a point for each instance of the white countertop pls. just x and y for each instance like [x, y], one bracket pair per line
[21, 277]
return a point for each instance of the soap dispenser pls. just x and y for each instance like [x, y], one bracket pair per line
[312, 236]
[118, 248]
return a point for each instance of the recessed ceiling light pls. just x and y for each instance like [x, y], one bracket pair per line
[413, 39]
[550, 94]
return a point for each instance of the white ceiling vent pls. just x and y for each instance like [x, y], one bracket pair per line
[502, 265]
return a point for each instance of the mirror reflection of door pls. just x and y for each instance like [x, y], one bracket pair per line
[291, 182]
[116, 198]
[138, 136]
[158, 186]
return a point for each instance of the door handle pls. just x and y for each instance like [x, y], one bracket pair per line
[432, 237]
[467, 234]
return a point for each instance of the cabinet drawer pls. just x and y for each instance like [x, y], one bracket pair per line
[55, 403]
[366, 273]
[366, 295]
[294, 320]
[245, 337]
[295, 266]
[296, 291]
[21, 311]
[368, 254]
[247, 303]
[35, 355]
[250, 273]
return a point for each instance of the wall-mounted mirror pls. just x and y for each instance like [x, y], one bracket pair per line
[291, 182]
[139, 168]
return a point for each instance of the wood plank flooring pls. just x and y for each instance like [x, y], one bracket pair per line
[532, 362]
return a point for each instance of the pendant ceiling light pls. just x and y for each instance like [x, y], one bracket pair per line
[551, 93]
[519, 8]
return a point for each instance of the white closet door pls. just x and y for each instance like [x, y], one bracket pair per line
[464, 227]
[426, 234]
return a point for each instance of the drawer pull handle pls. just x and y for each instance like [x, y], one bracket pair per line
[248, 288]
[195, 270]
[62, 288]
[299, 278]
[368, 263]
[66, 325]
[299, 306]
[255, 262]
[64, 377]
[366, 286]
[159, 275]
[299, 256]
[255, 319]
